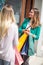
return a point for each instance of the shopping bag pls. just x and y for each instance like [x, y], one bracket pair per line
[22, 40]
[18, 58]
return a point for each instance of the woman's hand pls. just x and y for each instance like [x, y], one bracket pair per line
[27, 31]
[23, 30]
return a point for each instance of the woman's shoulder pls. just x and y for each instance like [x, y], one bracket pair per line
[14, 25]
[13, 28]
[38, 26]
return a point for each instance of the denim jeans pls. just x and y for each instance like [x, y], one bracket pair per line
[3, 62]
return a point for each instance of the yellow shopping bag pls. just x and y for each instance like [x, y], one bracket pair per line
[22, 40]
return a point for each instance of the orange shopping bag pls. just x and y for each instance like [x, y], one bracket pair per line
[18, 58]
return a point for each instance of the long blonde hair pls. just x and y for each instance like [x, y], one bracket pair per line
[7, 17]
[35, 20]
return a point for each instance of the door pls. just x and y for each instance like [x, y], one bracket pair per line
[29, 6]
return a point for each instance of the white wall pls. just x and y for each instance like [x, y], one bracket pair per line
[40, 42]
[38, 4]
[42, 13]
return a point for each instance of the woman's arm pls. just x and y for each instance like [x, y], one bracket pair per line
[35, 36]
[37, 33]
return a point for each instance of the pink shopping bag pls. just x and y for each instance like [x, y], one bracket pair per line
[18, 60]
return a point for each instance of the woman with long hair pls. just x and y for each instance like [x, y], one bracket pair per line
[8, 36]
[34, 30]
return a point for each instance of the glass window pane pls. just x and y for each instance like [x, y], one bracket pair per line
[17, 8]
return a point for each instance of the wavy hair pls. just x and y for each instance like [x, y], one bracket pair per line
[36, 19]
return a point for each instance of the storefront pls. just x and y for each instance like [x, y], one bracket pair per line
[21, 8]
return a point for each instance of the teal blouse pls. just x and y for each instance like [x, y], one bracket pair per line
[36, 32]
[23, 26]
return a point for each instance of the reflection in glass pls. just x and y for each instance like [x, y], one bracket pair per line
[17, 8]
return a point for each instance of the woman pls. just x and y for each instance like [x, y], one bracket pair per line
[25, 25]
[8, 36]
[34, 31]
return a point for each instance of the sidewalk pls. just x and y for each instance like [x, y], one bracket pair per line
[35, 60]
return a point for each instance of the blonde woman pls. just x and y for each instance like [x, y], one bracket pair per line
[8, 36]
